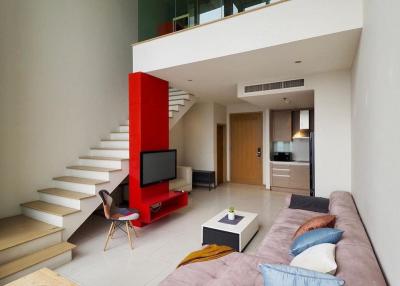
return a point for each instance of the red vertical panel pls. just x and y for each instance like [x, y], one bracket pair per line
[148, 131]
[134, 140]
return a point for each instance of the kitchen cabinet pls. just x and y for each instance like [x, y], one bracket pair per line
[281, 125]
[290, 177]
[299, 177]
[280, 176]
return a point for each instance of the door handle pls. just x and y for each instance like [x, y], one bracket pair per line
[258, 152]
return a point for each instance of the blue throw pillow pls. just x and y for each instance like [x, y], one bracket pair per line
[285, 275]
[314, 237]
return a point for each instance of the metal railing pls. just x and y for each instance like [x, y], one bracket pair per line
[161, 17]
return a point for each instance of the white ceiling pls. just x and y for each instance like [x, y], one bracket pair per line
[294, 100]
[216, 79]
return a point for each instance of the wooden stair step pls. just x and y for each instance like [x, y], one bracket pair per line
[66, 193]
[42, 277]
[78, 180]
[50, 208]
[27, 261]
[20, 229]
[102, 158]
[93, 169]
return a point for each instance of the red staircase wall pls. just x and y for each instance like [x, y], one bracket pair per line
[149, 131]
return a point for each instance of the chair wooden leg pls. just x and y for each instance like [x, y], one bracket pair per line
[134, 230]
[114, 230]
[109, 234]
[129, 234]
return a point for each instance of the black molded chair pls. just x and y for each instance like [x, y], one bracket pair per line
[118, 217]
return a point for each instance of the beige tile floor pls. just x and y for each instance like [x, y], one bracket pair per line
[160, 246]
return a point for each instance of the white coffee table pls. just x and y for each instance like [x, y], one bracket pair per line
[236, 236]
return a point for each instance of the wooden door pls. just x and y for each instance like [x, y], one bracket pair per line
[220, 154]
[246, 134]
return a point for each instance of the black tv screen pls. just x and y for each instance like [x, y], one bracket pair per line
[157, 167]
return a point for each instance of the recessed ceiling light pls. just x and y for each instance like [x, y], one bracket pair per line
[298, 62]
[286, 100]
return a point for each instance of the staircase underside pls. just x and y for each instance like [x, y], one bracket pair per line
[180, 102]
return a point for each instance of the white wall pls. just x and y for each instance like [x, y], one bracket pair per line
[177, 141]
[272, 26]
[245, 108]
[376, 131]
[195, 136]
[199, 136]
[332, 108]
[63, 85]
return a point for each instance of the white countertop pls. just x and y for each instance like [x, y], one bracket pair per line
[291, 163]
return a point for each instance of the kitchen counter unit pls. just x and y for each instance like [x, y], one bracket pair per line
[292, 177]
[301, 163]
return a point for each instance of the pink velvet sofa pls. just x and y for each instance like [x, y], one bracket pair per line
[357, 264]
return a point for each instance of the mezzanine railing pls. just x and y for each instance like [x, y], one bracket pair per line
[161, 17]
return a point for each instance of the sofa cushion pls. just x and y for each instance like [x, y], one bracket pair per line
[279, 274]
[320, 258]
[228, 270]
[315, 237]
[320, 205]
[314, 223]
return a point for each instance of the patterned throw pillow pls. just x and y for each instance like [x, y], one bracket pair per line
[314, 223]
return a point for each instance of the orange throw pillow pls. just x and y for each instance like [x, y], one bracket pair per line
[314, 223]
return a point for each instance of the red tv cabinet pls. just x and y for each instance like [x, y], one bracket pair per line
[149, 131]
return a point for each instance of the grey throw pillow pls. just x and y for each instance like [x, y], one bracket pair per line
[319, 205]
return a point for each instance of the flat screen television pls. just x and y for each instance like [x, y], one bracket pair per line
[157, 166]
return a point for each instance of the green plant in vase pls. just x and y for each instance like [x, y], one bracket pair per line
[231, 213]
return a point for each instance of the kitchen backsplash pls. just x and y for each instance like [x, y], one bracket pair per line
[280, 146]
[298, 147]
[300, 150]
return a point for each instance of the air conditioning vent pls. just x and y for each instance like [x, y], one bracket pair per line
[274, 85]
[253, 88]
[293, 83]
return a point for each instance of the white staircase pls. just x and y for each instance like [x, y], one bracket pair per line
[73, 197]
[179, 103]
[61, 209]
[37, 238]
